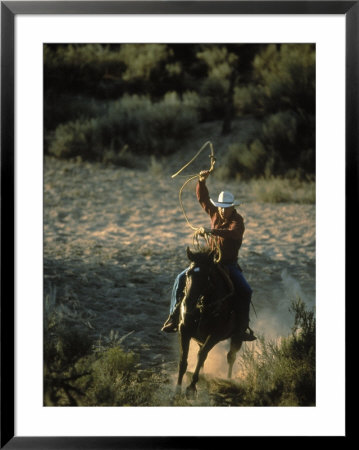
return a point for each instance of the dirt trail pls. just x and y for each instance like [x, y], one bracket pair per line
[115, 238]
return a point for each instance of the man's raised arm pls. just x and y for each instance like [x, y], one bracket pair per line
[203, 194]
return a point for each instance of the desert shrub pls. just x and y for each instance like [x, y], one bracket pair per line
[65, 337]
[248, 99]
[106, 376]
[289, 77]
[279, 190]
[212, 92]
[74, 139]
[283, 78]
[285, 146]
[133, 122]
[66, 108]
[192, 100]
[116, 378]
[65, 342]
[282, 373]
[282, 93]
[141, 59]
[81, 56]
[109, 71]
[216, 90]
[92, 379]
[62, 109]
[245, 160]
[86, 68]
[279, 130]
[289, 139]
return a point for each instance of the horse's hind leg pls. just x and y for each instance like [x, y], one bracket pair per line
[232, 354]
[201, 369]
[201, 358]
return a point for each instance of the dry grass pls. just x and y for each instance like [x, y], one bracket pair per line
[282, 190]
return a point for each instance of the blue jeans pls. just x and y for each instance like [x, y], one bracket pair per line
[177, 289]
[241, 286]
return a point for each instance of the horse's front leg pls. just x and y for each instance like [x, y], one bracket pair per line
[201, 358]
[184, 339]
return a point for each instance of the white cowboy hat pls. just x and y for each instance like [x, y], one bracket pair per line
[225, 200]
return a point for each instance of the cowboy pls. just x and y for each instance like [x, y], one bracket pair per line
[227, 228]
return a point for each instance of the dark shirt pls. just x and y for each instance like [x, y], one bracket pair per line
[229, 233]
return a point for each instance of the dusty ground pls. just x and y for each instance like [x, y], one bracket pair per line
[115, 238]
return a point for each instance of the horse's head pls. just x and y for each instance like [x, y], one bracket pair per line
[204, 257]
[198, 278]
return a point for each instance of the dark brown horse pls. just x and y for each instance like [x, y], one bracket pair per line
[206, 314]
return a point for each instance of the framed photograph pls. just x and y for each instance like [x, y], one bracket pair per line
[173, 174]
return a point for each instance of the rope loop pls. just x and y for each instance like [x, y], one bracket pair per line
[196, 230]
[213, 161]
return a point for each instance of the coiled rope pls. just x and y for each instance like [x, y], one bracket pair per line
[197, 231]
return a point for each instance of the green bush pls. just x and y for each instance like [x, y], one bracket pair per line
[107, 374]
[283, 373]
[142, 59]
[216, 89]
[132, 122]
[81, 56]
[92, 69]
[288, 75]
[109, 71]
[284, 146]
[245, 160]
[289, 139]
[283, 79]
[66, 108]
[282, 93]
[74, 139]
[212, 93]
[248, 99]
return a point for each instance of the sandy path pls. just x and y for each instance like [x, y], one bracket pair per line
[115, 238]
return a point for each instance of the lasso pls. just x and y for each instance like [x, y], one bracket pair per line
[197, 231]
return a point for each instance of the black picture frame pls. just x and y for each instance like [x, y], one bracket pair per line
[9, 9]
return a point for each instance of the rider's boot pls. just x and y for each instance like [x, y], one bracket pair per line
[171, 324]
[245, 333]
